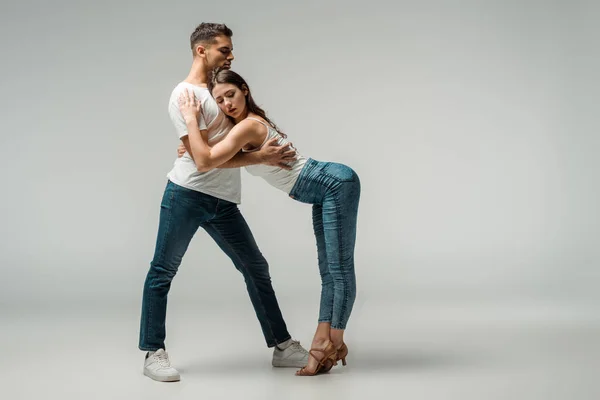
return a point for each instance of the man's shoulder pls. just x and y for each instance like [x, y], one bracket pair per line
[201, 93]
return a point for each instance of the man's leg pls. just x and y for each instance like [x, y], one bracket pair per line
[231, 232]
[181, 213]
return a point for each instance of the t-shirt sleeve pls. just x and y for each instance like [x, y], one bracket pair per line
[178, 120]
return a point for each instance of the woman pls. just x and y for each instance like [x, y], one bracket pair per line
[333, 190]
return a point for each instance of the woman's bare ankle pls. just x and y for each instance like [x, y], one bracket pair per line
[320, 342]
[337, 337]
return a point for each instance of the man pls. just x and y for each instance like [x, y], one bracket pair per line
[194, 199]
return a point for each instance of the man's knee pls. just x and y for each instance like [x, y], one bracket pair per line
[258, 267]
[162, 273]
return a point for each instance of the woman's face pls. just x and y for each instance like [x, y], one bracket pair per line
[230, 98]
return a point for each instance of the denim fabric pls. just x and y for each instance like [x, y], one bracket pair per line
[334, 191]
[182, 211]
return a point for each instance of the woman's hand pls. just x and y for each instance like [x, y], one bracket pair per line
[181, 150]
[189, 106]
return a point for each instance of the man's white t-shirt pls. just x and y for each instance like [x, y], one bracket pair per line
[223, 183]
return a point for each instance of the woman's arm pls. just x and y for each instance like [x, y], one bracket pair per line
[204, 156]
[271, 153]
[207, 158]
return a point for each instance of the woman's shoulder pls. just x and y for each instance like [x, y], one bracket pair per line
[250, 128]
[253, 123]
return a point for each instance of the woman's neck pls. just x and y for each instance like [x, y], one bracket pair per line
[243, 116]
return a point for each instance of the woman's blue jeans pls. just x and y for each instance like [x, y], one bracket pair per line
[334, 191]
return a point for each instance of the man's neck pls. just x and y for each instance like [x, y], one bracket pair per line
[198, 74]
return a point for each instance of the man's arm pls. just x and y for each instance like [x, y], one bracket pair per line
[270, 154]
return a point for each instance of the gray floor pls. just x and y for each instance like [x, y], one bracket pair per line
[398, 351]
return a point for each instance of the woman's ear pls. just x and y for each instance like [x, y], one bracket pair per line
[245, 90]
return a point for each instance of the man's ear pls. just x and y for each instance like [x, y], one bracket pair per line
[200, 51]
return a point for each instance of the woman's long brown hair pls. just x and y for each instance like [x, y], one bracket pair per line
[223, 75]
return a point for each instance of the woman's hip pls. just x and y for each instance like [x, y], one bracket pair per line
[319, 180]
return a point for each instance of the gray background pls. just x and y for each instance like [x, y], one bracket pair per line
[472, 124]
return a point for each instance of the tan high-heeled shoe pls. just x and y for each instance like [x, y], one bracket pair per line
[324, 364]
[341, 354]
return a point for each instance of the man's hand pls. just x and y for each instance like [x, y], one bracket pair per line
[278, 156]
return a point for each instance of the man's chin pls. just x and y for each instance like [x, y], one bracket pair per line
[226, 66]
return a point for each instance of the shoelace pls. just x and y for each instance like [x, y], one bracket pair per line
[296, 345]
[163, 359]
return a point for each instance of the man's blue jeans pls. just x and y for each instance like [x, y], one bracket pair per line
[182, 211]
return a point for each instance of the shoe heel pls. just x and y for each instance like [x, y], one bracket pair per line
[342, 352]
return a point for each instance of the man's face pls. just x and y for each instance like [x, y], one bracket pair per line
[220, 53]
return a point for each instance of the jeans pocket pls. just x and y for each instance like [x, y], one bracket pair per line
[339, 172]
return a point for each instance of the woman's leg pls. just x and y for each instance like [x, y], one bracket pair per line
[320, 341]
[334, 190]
[321, 338]
[326, 305]
[340, 210]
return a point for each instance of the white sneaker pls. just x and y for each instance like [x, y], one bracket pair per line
[158, 367]
[293, 356]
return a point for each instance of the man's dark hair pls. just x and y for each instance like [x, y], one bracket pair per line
[206, 32]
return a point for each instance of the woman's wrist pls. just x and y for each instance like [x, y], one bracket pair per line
[191, 121]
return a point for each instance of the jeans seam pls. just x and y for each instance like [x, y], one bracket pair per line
[341, 253]
[343, 321]
[326, 262]
[337, 178]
